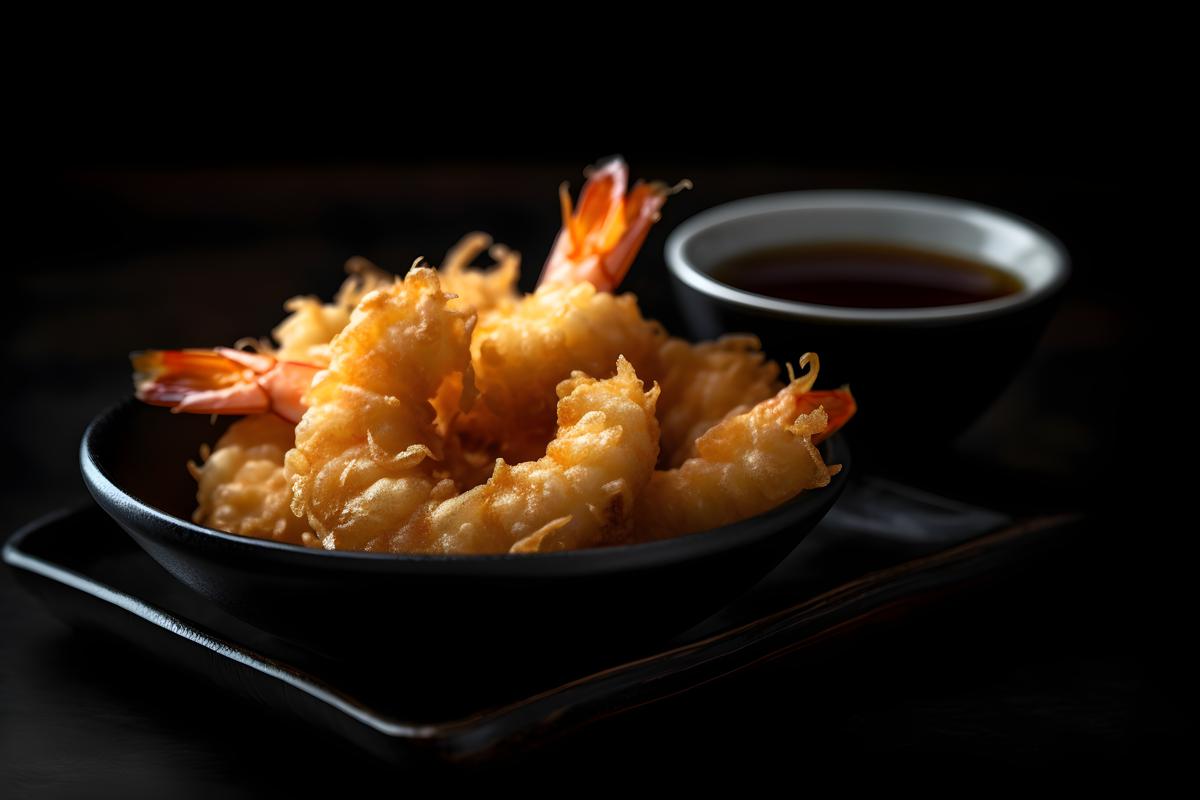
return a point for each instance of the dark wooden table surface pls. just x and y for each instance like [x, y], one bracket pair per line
[1071, 661]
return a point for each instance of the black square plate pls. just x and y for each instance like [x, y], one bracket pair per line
[884, 546]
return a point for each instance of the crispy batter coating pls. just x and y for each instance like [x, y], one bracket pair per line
[520, 353]
[745, 465]
[388, 455]
[582, 493]
[240, 491]
[241, 486]
[307, 331]
[703, 384]
[522, 350]
[358, 470]
[397, 450]
[480, 289]
[366, 470]
[445, 413]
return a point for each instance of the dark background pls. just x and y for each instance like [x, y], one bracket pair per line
[191, 231]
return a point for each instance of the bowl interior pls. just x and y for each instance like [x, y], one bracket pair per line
[943, 225]
[134, 461]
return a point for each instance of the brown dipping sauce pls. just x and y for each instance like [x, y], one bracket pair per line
[860, 275]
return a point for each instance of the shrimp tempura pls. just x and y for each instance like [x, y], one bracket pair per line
[362, 464]
[241, 487]
[582, 493]
[367, 471]
[745, 465]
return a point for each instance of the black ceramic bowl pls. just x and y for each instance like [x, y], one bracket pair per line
[427, 610]
[917, 373]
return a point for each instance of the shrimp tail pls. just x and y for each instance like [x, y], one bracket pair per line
[602, 235]
[221, 381]
[839, 404]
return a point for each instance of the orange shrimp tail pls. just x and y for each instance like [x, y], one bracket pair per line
[601, 237]
[839, 406]
[221, 381]
[286, 385]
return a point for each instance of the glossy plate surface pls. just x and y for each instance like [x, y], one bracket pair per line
[92, 575]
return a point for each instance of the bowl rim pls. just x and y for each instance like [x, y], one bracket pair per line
[851, 200]
[119, 503]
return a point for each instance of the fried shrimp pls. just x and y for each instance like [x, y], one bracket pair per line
[241, 486]
[703, 384]
[745, 465]
[526, 346]
[520, 356]
[446, 413]
[365, 469]
[305, 334]
[582, 493]
[574, 322]
[359, 470]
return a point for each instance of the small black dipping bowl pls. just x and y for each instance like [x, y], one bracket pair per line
[429, 613]
[918, 374]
